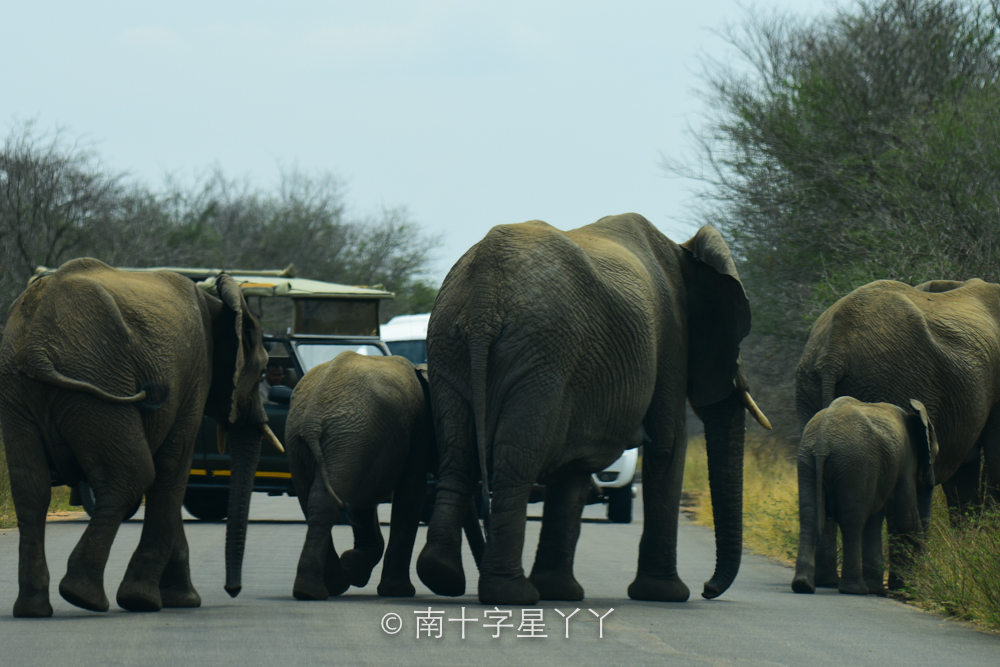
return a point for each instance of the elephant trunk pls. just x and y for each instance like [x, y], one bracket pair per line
[725, 426]
[245, 443]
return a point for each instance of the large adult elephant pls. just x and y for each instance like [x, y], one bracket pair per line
[939, 343]
[104, 376]
[552, 352]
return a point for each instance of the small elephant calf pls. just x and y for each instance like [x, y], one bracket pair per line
[859, 464]
[359, 430]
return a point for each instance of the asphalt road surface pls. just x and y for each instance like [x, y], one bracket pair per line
[759, 621]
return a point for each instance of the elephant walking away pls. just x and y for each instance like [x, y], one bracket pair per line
[552, 352]
[104, 378]
[359, 429]
[939, 343]
[860, 464]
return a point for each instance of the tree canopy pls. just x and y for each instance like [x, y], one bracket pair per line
[859, 146]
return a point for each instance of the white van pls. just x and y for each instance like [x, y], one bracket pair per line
[406, 336]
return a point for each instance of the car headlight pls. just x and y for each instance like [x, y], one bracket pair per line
[607, 476]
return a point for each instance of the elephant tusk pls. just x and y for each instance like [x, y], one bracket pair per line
[220, 434]
[755, 411]
[271, 437]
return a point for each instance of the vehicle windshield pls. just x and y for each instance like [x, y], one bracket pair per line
[414, 350]
[314, 354]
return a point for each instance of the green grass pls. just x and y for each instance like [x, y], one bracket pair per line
[958, 573]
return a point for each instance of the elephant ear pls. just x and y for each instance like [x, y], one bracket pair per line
[939, 285]
[925, 444]
[718, 318]
[241, 337]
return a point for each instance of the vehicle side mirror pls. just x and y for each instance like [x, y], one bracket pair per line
[280, 394]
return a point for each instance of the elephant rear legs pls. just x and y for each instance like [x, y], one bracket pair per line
[29, 485]
[320, 573]
[552, 573]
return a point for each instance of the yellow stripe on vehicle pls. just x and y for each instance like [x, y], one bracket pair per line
[227, 473]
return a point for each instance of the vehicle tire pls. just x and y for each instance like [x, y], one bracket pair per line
[207, 504]
[86, 495]
[620, 504]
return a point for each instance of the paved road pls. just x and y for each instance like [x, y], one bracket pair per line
[757, 622]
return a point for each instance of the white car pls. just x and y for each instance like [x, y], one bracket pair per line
[406, 336]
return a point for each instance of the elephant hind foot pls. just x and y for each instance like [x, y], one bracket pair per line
[827, 580]
[35, 605]
[441, 571]
[556, 585]
[396, 588]
[135, 597]
[801, 584]
[304, 589]
[658, 589]
[180, 596]
[853, 587]
[84, 594]
[517, 591]
[359, 565]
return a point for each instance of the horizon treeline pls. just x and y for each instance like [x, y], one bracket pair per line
[59, 201]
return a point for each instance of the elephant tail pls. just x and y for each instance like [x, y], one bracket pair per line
[313, 441]
[478, 349]
[820, 497]
[151, 395]
[828, 388]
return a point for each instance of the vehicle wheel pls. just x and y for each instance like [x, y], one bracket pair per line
[620, 504]
[207, 504]
[86, 496]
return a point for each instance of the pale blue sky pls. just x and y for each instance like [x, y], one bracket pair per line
[470, 114]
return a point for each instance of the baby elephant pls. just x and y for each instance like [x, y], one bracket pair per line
[359, 430]
[861, 463]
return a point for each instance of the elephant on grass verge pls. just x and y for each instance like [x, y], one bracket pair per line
[860, 464]
[552, 352]
[939, 342]
[104, 377]
[359, 429]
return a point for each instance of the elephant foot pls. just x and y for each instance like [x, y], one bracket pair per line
[180, 596]
[853, 587]
[827, 579]
[802, 584]
[658, 589]
[336, 579]
[441, 570]
[517, 591]
[392, 587]
[359, 565]
[35, 605]
[309, 589]
[84, 594]
[556, 585]
[875, 587]
[134, 596]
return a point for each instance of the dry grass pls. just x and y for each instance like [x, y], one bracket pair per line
[770, 498]
[959, 573]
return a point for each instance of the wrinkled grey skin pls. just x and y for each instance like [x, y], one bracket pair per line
[552, 352]
[359, 429]
[861, 464]
[939, 343]
[105, 375]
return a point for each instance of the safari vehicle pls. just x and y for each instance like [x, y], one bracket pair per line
[306, 323]
[614, 486]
